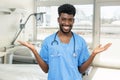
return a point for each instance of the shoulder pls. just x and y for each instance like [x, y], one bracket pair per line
[80, 40]
[49, 38]
[78, 37]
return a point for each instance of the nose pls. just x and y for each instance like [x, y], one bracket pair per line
[67, 22]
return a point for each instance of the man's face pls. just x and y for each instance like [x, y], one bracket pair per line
[66, 22]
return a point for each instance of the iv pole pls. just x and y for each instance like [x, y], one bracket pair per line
[23, 26]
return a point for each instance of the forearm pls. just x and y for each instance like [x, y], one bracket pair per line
[41, 63]
[85, 65]
[97, 50]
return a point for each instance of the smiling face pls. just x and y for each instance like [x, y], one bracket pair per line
[65, 22]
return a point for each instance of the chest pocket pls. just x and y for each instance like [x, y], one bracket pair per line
[54, 57]
[54, 51]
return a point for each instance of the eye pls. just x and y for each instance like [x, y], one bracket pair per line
[63, 19]
[71, 19]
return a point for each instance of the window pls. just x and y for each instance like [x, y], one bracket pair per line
[47, 24]
[110, 32]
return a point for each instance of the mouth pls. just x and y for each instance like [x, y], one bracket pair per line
[66, 28]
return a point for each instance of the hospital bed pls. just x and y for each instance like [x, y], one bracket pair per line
[106, 66]
[21, 72]
[20, 55]
[34, 72]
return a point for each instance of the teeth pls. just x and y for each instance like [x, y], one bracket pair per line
[66, 27]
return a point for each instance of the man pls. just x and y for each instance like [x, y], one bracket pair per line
[64, 54]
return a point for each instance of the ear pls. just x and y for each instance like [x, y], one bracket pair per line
[58, 19]
[73, 20]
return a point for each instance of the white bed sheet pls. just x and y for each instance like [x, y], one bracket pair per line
[21, 72]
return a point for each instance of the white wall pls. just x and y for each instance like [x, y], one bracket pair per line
[9, 24]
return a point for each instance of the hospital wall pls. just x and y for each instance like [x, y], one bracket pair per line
[11, 13]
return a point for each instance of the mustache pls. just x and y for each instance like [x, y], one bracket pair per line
[67, 25]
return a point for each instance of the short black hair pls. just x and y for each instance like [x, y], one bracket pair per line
[67, 8]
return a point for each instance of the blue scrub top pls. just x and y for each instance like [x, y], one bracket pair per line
[63, 63]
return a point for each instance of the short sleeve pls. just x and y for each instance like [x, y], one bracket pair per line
[44, 52]
[84, 54]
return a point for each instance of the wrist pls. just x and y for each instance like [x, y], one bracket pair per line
[93, 54]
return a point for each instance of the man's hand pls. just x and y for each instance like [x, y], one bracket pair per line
[99, 48]
[27, 44]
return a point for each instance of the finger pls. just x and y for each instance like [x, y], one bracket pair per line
[99, 46]
[22, 43]
[28, 42]
[107, 46]
[19, 41]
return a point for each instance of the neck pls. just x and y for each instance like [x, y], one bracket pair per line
[69, 34]
[64, 37]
